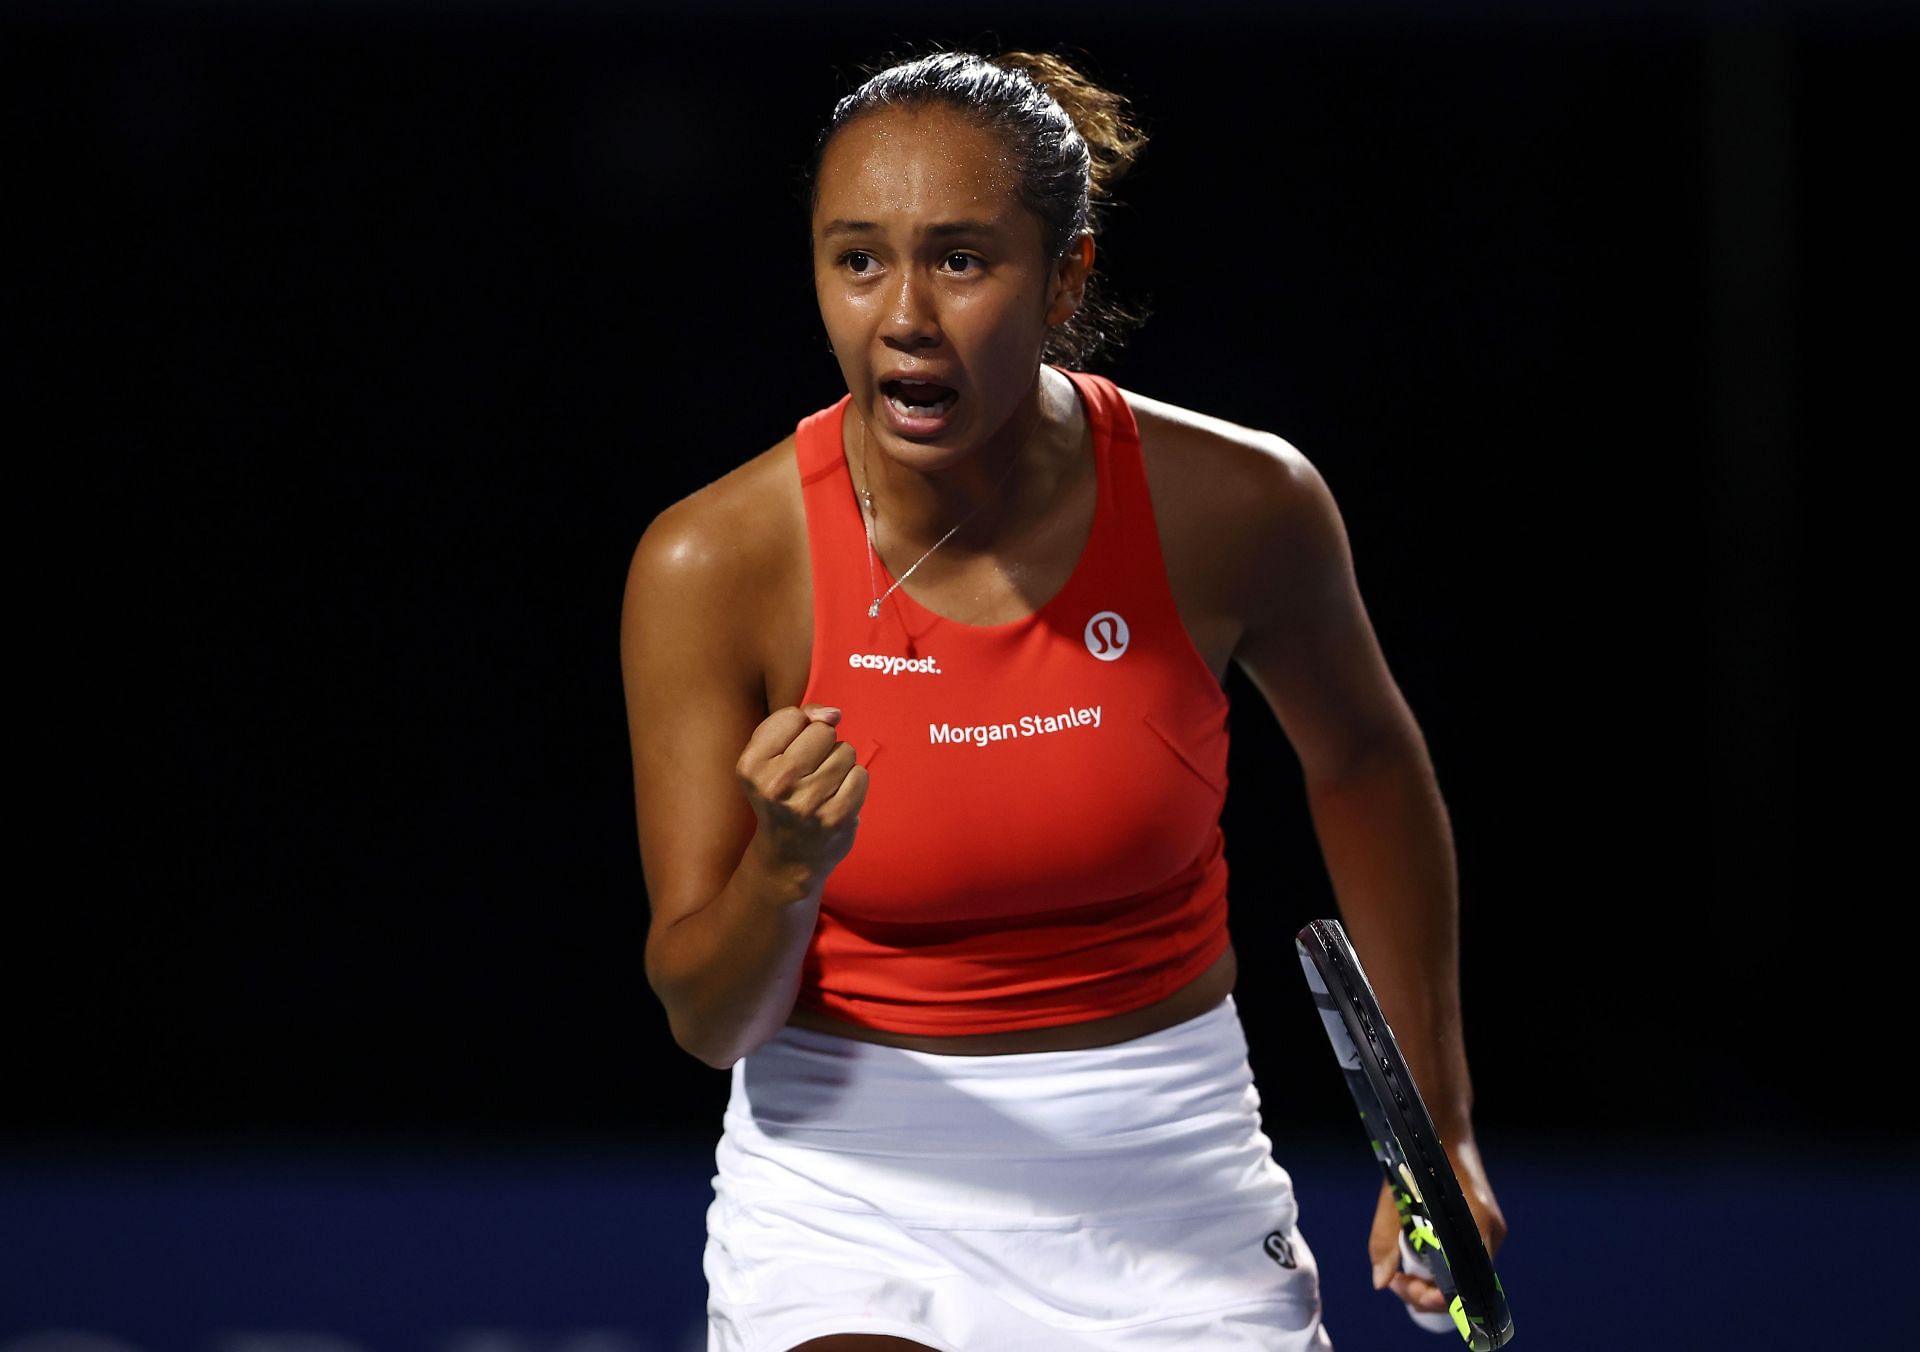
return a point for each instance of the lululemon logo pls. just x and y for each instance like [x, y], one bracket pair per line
[1106, 635]
[1280, 1249]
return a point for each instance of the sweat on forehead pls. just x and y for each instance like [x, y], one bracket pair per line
[923, 146]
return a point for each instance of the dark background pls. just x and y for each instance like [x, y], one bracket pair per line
[357, 345]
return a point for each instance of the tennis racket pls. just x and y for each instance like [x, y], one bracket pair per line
[1438, 1238]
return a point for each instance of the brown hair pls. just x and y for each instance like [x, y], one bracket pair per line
[1070, 141]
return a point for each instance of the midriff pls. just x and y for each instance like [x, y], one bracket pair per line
[1190, 1001]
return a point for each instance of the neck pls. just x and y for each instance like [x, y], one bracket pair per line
[985, 486]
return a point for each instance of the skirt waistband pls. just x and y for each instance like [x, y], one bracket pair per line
[843, 1093]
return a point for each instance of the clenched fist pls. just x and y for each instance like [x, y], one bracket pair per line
[805, 788]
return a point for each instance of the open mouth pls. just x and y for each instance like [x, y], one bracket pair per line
[918, 398]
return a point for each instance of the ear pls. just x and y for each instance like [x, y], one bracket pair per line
[1069, 286]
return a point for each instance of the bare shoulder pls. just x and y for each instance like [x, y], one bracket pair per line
[735, 531]
[723, 573]
[1217, 460]
[1235, 506]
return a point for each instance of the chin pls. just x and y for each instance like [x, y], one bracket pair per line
[928, 457]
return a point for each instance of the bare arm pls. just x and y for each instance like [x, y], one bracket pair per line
[1377, 809]
[742, 813]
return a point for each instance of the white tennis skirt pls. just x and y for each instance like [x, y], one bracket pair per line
[1118, 1197]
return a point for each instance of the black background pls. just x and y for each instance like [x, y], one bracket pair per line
[358, 344]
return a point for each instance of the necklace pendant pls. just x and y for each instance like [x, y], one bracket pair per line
[873, 611]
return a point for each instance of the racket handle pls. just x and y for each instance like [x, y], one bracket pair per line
[1411, 1262]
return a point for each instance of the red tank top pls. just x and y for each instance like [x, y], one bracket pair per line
[1041, 841]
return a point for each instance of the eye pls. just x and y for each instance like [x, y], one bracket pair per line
[854, 260]
[967, 262]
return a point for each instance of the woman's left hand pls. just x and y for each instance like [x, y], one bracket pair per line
[1383, 1245]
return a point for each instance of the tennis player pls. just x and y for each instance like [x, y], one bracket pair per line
[930, 750]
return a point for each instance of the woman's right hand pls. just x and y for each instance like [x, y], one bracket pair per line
[805, 788]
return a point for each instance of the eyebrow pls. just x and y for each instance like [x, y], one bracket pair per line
[941, 230]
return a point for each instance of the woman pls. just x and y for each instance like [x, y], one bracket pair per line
[929, 741]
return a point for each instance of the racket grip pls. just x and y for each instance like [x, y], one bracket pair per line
[1411, 1262]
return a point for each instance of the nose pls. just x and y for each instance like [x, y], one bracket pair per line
[912, 320]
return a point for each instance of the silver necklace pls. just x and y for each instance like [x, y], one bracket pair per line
[867, 515]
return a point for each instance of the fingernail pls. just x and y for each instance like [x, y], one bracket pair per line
[824, 710]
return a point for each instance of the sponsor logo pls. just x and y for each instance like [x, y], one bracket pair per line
[1280, 1249]
[893, 666]
[1028, 725]
[1106, 635]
